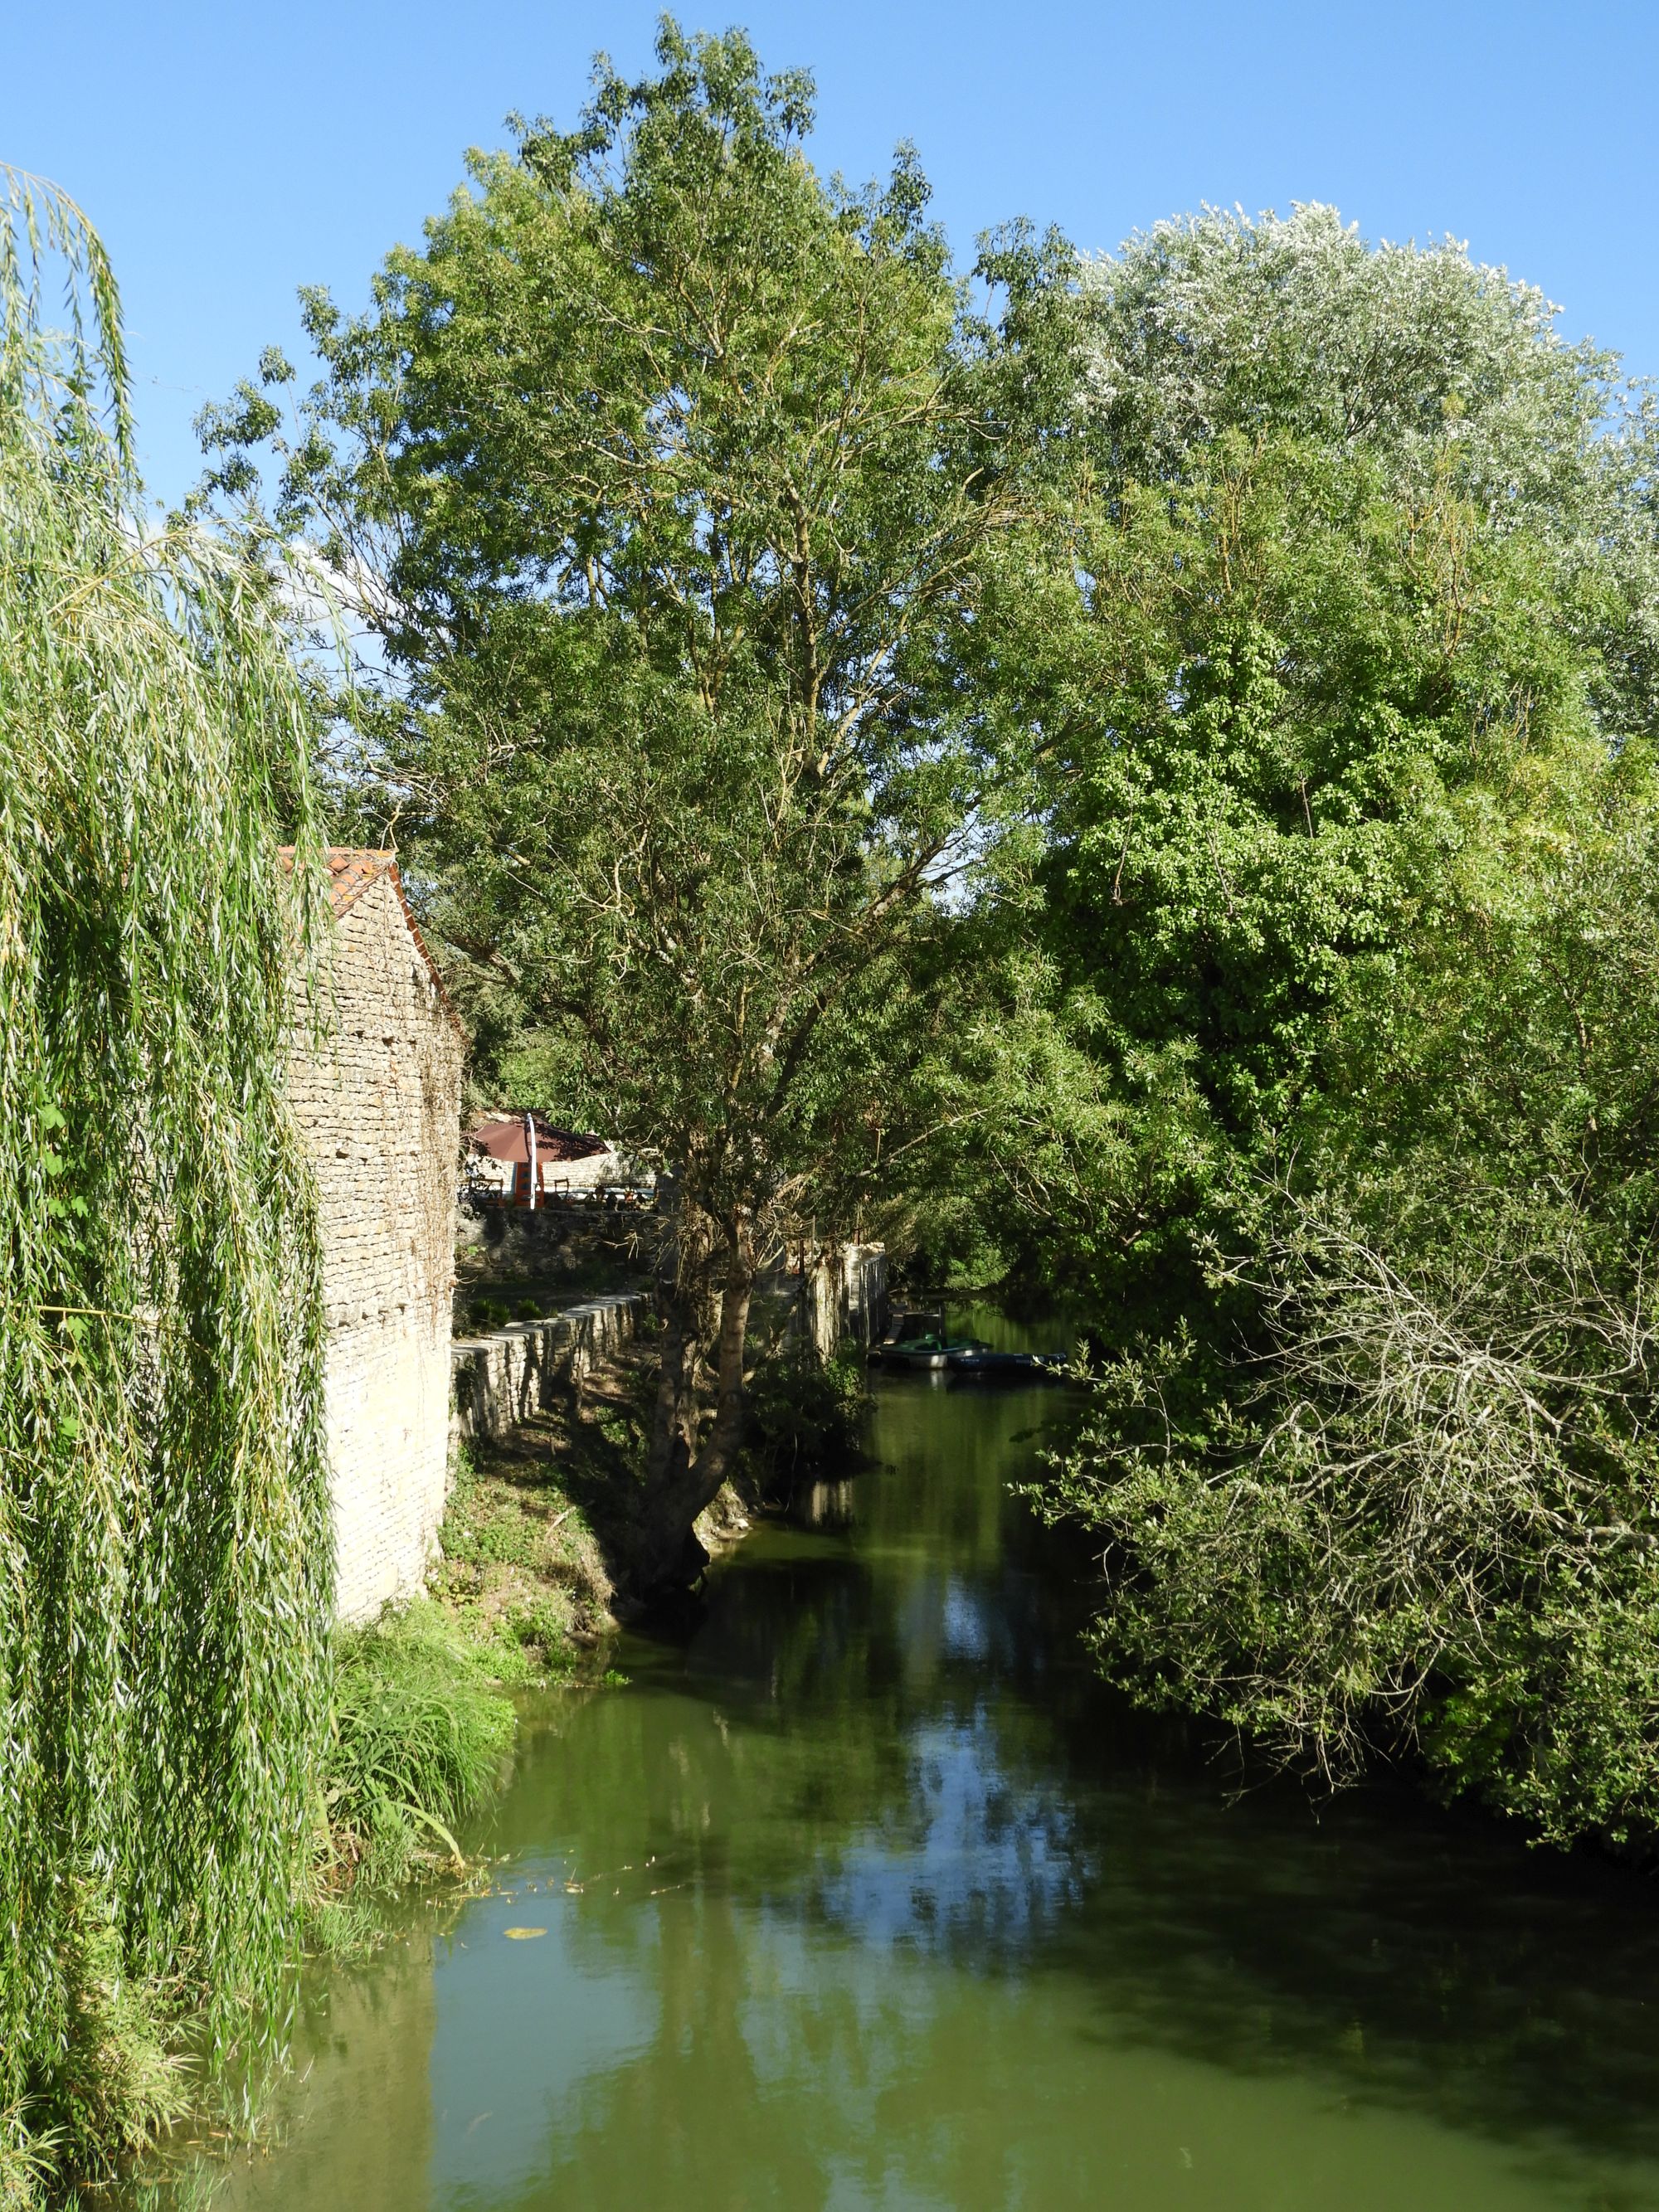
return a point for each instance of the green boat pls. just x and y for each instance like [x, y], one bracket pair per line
[930, 1350]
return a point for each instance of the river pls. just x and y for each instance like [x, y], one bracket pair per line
[864, 1894]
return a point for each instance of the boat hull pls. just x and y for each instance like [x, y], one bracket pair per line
[1005, 1367]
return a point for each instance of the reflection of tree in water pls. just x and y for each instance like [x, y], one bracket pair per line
[1414, 1960]
[879, 1764]
[971, 1862]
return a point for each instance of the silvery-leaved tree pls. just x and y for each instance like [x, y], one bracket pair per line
[1448, 375]
[669, 476]
[164, 1555]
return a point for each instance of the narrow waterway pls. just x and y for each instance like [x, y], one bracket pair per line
[866, 1896]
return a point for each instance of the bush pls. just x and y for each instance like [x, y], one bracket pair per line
[418, 1731]
[1416, 1510]
[805, 1413]
[118, 2084]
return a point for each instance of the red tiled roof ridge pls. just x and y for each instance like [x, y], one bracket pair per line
[355, 869]
[352, 869]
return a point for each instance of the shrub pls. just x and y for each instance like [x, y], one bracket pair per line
[1416, 1512]
[805, 1413]
[418, 1731]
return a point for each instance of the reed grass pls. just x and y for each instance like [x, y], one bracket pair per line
[164, 1556]
[418, 1731]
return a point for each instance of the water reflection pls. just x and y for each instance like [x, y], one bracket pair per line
[971, 1860]
[866, 1895]
[826, 1504]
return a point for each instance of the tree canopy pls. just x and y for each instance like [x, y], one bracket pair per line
[1353, 819]
[674, 469]
[1157, 776]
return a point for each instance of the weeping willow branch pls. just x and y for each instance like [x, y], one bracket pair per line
[164, 1570]
[40, 224]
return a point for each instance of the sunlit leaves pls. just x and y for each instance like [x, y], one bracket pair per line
[164, 1569]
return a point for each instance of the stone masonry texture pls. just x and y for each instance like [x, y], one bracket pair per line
[374, 1082]
[511, 1375]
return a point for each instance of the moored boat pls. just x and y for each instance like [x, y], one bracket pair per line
[930, 1351]
[979, 1363]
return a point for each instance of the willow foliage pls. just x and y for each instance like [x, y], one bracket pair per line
[163, 1539]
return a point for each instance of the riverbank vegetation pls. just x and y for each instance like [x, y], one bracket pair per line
[1136, 774]
[164, 1561]
[417, 1726]
[534, 1543]
[1352, 899]
[1140, 782]
[537, 1544]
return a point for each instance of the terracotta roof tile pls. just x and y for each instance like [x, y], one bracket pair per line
[353, 870]
[351, 874]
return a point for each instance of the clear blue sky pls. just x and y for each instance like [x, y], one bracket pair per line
[230, 152]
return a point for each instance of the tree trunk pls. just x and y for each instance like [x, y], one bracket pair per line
[687, 1467]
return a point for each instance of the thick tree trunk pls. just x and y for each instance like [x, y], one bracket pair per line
[688, 1464]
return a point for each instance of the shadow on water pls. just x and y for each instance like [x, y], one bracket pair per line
[865, 1893]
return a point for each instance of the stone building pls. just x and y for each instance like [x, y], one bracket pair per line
[375, 1086]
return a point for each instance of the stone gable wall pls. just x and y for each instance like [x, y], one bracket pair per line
[378, 1097]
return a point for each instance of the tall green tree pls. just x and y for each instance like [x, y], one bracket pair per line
[668, 474]
[1353, 818]
[164, 1554]
[1354, 529]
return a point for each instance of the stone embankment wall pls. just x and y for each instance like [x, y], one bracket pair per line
[511, 1374]
[845, 1295]
[376, 1087]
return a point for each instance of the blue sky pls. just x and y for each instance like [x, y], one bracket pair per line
[229, 154]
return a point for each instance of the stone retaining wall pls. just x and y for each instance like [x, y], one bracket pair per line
[847, 1295]
[511, 1374]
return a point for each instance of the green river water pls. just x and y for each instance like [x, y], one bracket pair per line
[862, 1894]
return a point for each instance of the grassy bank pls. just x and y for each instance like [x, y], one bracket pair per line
[522, 1594]
[418, 1731]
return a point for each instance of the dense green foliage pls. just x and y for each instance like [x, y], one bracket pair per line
[163, 1552]
[676, 470]
[1155, 792]
[1351, 898]
[806, 1414]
